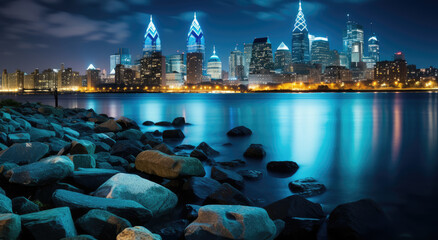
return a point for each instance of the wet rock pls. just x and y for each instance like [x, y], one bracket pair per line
[307, 187]
[192, 211]
[255, 151]
[151, 139]
[37, 134]
[199, 154]
[10, 226]
[81, 203]
[183, 147]
[294, 206]
[90, 179]
[168, 166]
[231, 222]
[4, 168]
[59, 131]
[173, 134]
[124, 148]
[82, 127]
[44, 194]
[127, 123]
[22, 205]
[164, 148]
[24, 153]
[56, 145]
[363, 219]
[283, 167]
[3, 147]
[131, 134]
[23, 123]
[197, 189]
[152, 196]
[49, 224]
[102, 224]
[300, 228]
[19, 138]
[163, 124]
[102, 137]
[49, 110]
[137, 232]
[239, 132]
[148, 123]
[71, 132]
[233, 163]
[108, 126]
[209, 151]
[82, 147]
[83, 161]
[252, 175]
[228, 195]
[102, 147]
[179, 121]
[172, 230]
[43, 172]
[5, 204]
[223, 175]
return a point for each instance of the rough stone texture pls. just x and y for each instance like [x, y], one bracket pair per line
[137, 233]
[90, 179]
[209, 151]
[40, 173]
[124, 148]
[363, 219]
[102, 224]
[23, 123]
[4, 168]
[37, 134]
[231, 222]
[294, 206]
[127, 123]
[152, 196]
[252, 175]
[173, 134]
[131, 134]
[307, 187]
[83, 161]
[164, 148]
[108, 126]
[5, 204]
[81, 203]
[49, 224]
[82, 147]
[24, 153]
[71, 132]
[44, 194]
[228, 195]
[167, 166]
[179, 121]
[223, 175]
[255, 151]
[197, 189]
[22, 205]
[19, 137]
[283, 167]
[56, 145]
[239, 132]
[10, 226]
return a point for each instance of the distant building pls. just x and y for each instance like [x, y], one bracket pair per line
[124, 76]
[247, 54]
[335, 59]
[399, 56]
[300, 39]
[374, 48]
[391, 71]
[261, 60]
[12, 81]
[337, 74]
[175, 70]
[283, 58]
[31, 80]
[353, 41]
[93, 77]
[123, 56]
[236, 61]
[321, 52]
[153, 63]
[195, 53]
[214, 68]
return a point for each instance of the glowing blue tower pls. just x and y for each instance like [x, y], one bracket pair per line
[152, 42]
[300, 39]
[195, 53]
[195, 39]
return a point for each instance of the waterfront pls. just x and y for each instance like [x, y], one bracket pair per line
[360, 145]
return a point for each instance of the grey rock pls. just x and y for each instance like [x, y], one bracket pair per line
[24, 153]
[19, 137]
[80, 237]
[192, 211]
[102, 147]
[10, 226]
[90, 179]
[83, 161]
[108, 126]
[228, 195]
[209, 151]
[239, 132]
[179, 121]
[197, 189]
[233, 163]
[23, 123]
[103, 137]
[164, 148]
[137, 233]
[307, 187]
[173, 134]
[5, 204]
[127, 123]
[71, 132]
[102, 224]
[252, 175]
[223, 175]
[82, 127]
[294, 206]
[22, 205]
[255, 151]
[124, 148]
[56, 145]
[44, 194]
[37, 134]
[283, 167]
[5, 167]
[58, 129]
[131, 134]
[173, 230]
[82, 147]
[300, 228]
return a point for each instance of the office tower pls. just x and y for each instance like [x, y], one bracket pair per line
[175, 70]
[391, 71]
[261, 61]
[5, 80]
[153, 64]
[31, 80]
[237, 68]
[12, 81]
[374, 48]
[321, 52]
[353, 41]
[300, 39]
[337, 74]
[334, 59]
[283, 58]
[93, 77]
[247, 54]
[114, 61]
[195, 53]
[399, 56]
[123, 56]
[214, 68]
[124, 76]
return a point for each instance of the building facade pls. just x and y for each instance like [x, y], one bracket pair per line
[236, 65]
[353, 42]
[283, 59]
[262, 61]
[195, 53]
[300, 39]
[214, 68]
[153, 63]
[247, 54]
[321, 52]
[391, 71]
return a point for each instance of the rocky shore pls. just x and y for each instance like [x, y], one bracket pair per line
[77, 174]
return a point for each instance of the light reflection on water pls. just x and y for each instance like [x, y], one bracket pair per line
[375, 145]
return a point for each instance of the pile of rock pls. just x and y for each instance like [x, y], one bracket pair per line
[76, 174]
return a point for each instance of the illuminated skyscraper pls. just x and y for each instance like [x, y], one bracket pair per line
[175, 70]
[353, 41]
[214, 68]
[236, 65]
[153, 66]
[261, 61]
[195, 53]
[93, 78]
[374, 48]
[152, 42]
[283, 58]
[247, 54]
[300, 39]
[321, 51]
[123, 56]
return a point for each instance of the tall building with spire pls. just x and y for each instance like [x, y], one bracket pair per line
[195, 52]
[300, 39]
[153, 63]
[283, 58]
[214, 67]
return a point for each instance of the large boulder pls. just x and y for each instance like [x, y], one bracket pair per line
[209, 151]
[231, 222]
[294, 206]
[131, 134]
[228, 195]
[124, 148]
[164, 148]
[137, 233]
[168, 166]
[179, 121]
[127, 123]
[362, 220]
[102, 224]
[82, 147]
[307, 187]
[19, 137]
[163, 124]
[223, 175]
[10, 226]
[252, 175]
[40, 173]
[5, 204]
[255, 151]
[91, 178]
[197, 189]
[44, 194]
[71, 132]
[54, 224]
[108, 126]
[22, 205]
[24, 153]
[283, 167]
[173, 134]
[81, 203]
[239, 132]
[37, 134]
[152, 196]
[23, 123]
[83, 161]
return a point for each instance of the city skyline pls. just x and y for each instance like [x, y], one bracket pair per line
[99, 57]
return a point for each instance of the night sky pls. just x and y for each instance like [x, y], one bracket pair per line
[44, 33]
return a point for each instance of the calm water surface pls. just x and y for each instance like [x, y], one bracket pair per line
[382, 146]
